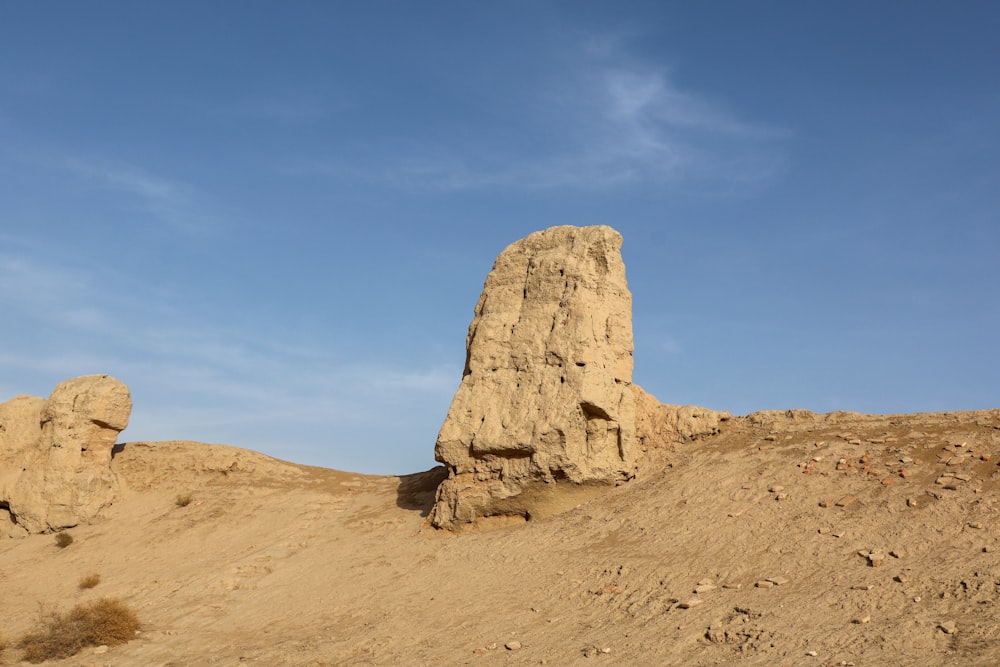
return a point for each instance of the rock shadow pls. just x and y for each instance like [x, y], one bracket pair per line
[416, 491]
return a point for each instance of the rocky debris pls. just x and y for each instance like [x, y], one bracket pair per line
[546, 397]
[55, 454]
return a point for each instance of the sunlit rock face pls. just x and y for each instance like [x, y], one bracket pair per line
[545, 407]
[55, 454]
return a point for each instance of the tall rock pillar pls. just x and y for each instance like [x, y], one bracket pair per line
[545, 406]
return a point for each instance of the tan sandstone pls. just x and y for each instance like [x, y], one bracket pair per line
[545, 398]
[55, 454]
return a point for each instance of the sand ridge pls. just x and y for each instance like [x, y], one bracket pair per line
[811, 540]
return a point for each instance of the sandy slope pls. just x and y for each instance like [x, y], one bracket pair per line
[279, 564]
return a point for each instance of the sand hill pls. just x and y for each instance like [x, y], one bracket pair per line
[688, 537]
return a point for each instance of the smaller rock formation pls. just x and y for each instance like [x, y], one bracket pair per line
[55, 454]
[545, 399]
[659, 427]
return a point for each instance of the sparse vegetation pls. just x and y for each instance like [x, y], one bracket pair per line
[90, 581]
[63, 540]
[183, 499]
[107, 621]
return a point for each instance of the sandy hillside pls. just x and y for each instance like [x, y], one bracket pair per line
[879, 532]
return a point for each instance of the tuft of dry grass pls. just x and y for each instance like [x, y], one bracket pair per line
[63, 540]
[183, 500]
[90, 581]
[107, 621]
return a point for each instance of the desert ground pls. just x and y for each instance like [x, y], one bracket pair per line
[838, 539]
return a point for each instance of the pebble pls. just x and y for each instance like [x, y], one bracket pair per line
[781, 496]
[735, 585]
[863, 620]
[705, 588]
[776, 488]
[862, 587]
[812, 654]
[846, 501]
[778, 581]
[855, 441]
[688, 604]
[949, 627]
[513, 646]
[765, 584]
[898, 553]
[911, 502]
[824, 531]
[902, 578]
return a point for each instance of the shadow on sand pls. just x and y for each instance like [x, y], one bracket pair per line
[416, 492]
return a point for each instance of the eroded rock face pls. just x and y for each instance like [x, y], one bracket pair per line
[546, 398]
[55, 454]
[660, 427]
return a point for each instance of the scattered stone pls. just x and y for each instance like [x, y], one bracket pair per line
[862, 587]
[827, 502]
[876, 558]
[898, 553]
[948, 627]
[513, 646]
[901, 578]
[688, 604]
[911, 502]
[705, 588]
[770, 438]
[904, 473]
[778, 581]
[846, 501]
[479, 650]
[732, 585]
[812, 654]
[776, 488]
[838, 533]
[863, 620]
[945, 480]
[824, 531]
[764, 584]
[976, 525]
[888, 481]
[854, 441]
[916, 598]
[781, 496]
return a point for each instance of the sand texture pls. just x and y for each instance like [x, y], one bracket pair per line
[787, 539]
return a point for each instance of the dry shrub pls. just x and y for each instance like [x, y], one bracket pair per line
[90, 581]
[183, 500]
[63, 540]
[107, 621]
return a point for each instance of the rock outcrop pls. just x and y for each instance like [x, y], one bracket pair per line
[55, 454]
[545, 399]
[660, 427]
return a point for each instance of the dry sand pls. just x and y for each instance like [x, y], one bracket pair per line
[278, 564]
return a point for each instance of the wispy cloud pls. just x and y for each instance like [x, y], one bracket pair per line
[605, 120]
[171, 202]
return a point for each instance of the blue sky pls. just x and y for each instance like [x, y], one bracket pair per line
[273, 220]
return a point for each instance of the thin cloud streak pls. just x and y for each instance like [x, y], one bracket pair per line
[608, 123]
[175, 204]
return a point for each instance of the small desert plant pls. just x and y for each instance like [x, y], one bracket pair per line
[183, 500]
[63, 540]
[90, 581]
[107, 621]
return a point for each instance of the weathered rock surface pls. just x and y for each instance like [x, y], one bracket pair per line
[660, 427]
[55, 454]
[546, 397]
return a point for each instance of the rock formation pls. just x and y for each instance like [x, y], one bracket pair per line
[545, 398]
[55, 454]
[659, 428]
